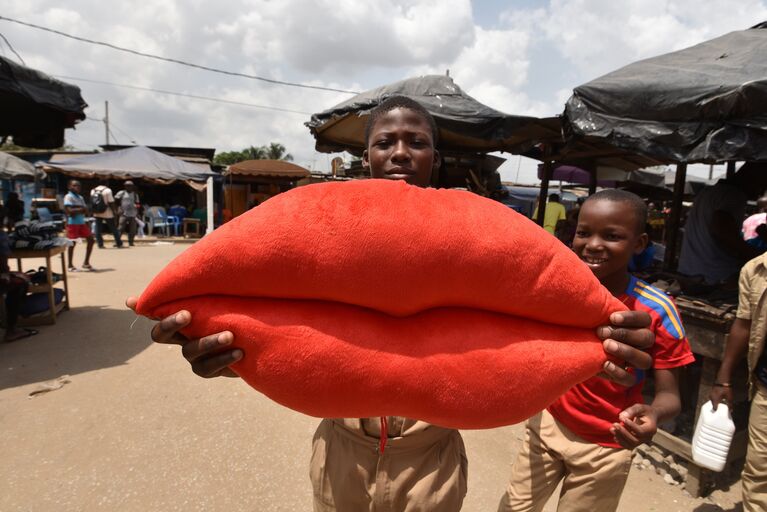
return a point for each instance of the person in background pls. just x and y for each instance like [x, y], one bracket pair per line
[128, 203]
[14, 208]
[713, 246]
[14, 285]
[75, 209]
[555, 211]
[755, 220]
[107, 216]
[585, 437]
[747, 339]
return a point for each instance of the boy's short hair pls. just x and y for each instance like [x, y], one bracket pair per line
[554, 197]
[622, 196]
[393, 102]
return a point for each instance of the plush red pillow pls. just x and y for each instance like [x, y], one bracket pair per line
[373, 298]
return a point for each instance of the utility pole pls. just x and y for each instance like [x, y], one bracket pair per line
[106, 121]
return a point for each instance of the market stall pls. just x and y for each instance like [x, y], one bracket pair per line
[703, 104]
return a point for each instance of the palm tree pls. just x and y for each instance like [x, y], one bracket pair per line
[276, 151]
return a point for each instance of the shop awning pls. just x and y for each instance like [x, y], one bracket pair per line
[35, 108]
[138, 162]
[268, 168]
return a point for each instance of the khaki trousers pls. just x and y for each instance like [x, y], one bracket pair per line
[754, 478]
[594, 476]
[425, 471]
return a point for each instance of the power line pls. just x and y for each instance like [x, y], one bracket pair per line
[176, 61]
[11, 47]
[184, 95]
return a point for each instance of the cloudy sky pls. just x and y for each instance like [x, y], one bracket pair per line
[520, 56]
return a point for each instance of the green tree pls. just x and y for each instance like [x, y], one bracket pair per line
[274, 151]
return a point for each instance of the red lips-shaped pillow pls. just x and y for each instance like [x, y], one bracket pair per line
[376, 298]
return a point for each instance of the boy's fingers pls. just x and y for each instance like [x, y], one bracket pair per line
[195, 349]
[631, 412]
[216, 365]
[615, 373]
[166, 330]
[633, 357]
[631, 319]
[131, 303]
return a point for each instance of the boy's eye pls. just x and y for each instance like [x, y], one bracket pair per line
[581, 234]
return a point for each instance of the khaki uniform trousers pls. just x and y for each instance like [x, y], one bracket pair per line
[594, 475]
[754, 478]
[423, 471]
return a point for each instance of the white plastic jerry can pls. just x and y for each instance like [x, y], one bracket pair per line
[713, 435]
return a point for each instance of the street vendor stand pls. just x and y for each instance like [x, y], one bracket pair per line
[703, 104]
[49, 286]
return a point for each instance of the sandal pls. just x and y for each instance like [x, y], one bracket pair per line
[88, 267]
[73, 269]
[23, 333]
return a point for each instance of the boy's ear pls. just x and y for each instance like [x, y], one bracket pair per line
[641, 243]
[365, 160]
[437, 162]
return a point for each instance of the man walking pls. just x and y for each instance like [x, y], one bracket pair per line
[75, 208]
[128, 201]
[105, 213]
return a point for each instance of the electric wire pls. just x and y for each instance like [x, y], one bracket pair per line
[176, 61]
[183, 95]
[12, 49]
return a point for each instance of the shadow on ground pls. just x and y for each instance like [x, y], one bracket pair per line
[710, 507]
[84, 339]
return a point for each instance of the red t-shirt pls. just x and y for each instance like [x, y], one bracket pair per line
[590, 408]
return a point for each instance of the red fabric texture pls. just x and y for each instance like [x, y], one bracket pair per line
[374, 298]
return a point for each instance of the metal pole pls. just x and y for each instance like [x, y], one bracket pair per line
[730, 168]
[548, 170]
[592, 181]
[209, 204]
[106, 120]
[672, 231]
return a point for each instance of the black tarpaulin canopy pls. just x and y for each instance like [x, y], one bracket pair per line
[464, 123]
[706, 103]
[139, 162]
[35, 108]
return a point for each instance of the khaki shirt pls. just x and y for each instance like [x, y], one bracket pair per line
[752, 305]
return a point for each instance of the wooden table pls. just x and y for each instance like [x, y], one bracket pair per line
[48, 317]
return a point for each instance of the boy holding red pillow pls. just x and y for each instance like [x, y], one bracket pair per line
[585, 438]
[424, 467]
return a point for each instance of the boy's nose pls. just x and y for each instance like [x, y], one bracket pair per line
[401, 151]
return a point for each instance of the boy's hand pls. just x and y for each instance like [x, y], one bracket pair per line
[625, 339]
[720, 394]
[638, 425]
[206, 355]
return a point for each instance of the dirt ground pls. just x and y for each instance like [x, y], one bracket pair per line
[132, 429]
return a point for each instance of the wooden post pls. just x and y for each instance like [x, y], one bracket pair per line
[730, 168]
[672, 232]
[592, 180]
[548, 170]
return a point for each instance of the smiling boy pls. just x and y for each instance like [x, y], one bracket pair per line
[586, 436]
[390, 463]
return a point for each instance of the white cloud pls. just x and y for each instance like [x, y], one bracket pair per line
[526, 64]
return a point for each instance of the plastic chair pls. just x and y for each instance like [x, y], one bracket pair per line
[156, 218]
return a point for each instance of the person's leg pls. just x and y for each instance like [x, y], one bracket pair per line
[71, 254]
[132, 228]
[14, 298]
[595, 476]
[97, 228]
[88, 251]
[537, 469]
[115, 233]
[754, 478]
